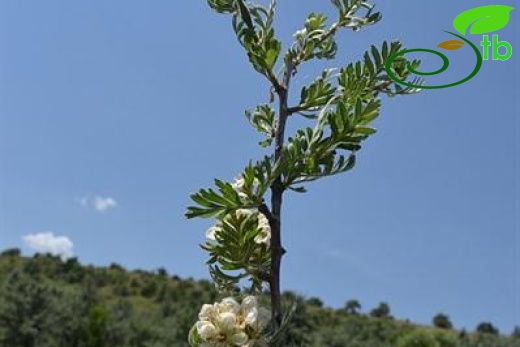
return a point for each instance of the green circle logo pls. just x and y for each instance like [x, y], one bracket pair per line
[445, 65]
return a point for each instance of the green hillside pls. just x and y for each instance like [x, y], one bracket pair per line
[47, 302]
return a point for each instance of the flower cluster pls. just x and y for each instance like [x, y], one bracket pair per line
[264, 229]
[238, 186]
[230, 324]
[243, 191]
[264, 234]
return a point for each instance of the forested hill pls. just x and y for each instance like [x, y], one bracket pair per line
[48, 302]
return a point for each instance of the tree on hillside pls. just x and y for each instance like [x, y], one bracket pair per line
[11, 252]
[314, 301]
[381, 311]
[516, 332]
[352, 306]
[162, 272]
[442, 321]
[487, 328]
[30, 314]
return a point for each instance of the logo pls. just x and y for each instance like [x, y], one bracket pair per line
[479, 20]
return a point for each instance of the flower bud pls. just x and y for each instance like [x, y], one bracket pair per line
[239, 339]
[227, 321]
[207, 312]
[206, 330]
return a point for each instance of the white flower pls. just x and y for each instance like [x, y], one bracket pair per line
[257, 317]
[230, 324]
[256, 183]
[256, 343]
[263, 237]
[248, 302]
[245, 212]
[239, 183]
[229, 305]
[210, 233]
[243, 196]
[251, 316]
[300, 33]
[264, 234]
[226, 322]
[206, 330]
[262, 220]
[239, 339]
[207, 312]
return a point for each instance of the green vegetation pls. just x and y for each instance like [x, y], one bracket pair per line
[442, 321]
[49, 302]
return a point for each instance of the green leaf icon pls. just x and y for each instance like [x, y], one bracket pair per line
[482, 20]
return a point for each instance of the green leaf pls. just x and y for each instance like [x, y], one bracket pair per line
[384, 51]
[371, 111]
[299, 189]
[272, 53]
[369, 64]
[244, 13]
[266, 143]
[222, 6]
[193, 337]
[199, 212]
[365, 130]
[319, 92]
[226, 276]
[377, 56]
[214, 203]
[482, 20]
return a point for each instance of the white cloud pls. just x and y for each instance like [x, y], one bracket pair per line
[47, 242]
[99, 203]
[102, 204]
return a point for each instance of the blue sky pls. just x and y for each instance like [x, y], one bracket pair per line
[112, 112]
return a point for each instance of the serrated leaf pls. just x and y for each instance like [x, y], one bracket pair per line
[482, 20]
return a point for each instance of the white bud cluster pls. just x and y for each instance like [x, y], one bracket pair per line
[230, 324]
[264, 229]
[239, 185]
[264, 234]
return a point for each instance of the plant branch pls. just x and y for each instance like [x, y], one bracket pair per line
[277, 189]
[330, 32]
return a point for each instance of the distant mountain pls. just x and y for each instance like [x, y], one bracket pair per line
[49, 302]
